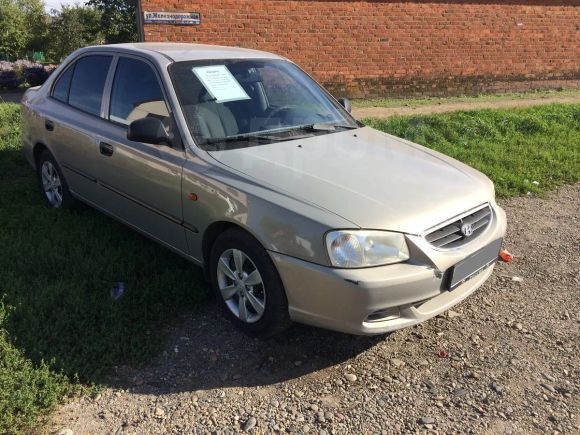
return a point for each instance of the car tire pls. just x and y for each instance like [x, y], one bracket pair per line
[247, 285]
[52, 183]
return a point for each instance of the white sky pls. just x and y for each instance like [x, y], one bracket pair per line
[55, 4]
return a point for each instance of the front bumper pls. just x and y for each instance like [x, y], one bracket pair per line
[381, 299]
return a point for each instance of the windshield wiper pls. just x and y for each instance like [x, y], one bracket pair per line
[240, 138]
[324, 127]
[268, 135]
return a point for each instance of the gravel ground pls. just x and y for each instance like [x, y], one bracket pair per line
[504, 361]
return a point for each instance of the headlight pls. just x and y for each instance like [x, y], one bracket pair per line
[351, 249]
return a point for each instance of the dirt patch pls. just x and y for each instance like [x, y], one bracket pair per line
[511, 360]
[385, 112]
[11, 96]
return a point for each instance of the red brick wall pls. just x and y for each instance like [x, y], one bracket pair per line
[398, 47]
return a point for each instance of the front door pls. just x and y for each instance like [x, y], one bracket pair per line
[140, 183]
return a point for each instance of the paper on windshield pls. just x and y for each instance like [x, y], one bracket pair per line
[220, 83]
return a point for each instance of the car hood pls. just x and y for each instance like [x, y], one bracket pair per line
[372, 179]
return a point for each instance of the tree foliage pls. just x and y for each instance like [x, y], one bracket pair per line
[73, 27]
[23, 27]
[118, 19]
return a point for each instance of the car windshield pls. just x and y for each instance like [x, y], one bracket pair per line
[244, 102]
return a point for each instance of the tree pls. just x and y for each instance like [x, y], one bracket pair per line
[118, 19]
[22, 27]
[12, 31]
[36, 24]
[73, 27]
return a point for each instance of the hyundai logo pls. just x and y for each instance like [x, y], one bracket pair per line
[467, 230]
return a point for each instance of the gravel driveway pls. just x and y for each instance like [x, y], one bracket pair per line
[446, 106]
[504, 361]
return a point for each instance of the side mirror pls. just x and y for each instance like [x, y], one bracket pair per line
[344, 102]
[148, 130]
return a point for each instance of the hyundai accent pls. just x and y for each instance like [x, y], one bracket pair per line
[239, 161]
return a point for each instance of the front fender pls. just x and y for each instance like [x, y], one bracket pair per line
[279, 222]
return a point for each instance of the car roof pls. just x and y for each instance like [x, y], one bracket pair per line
[178, 52]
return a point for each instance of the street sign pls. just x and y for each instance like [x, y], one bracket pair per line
[178, 18]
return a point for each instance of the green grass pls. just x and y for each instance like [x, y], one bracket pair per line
[424, 101]
[27, 390]
[60, 331]
[513, 147]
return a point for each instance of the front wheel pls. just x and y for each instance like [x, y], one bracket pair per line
[247, 284]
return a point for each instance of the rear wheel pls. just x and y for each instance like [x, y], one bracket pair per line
[52, 183]
[247, 284]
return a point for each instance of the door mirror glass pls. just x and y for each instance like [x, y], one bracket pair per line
[344, 102]
[148, 130]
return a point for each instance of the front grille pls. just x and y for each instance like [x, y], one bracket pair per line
[454, 234]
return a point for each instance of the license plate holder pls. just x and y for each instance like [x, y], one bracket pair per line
[475, 263]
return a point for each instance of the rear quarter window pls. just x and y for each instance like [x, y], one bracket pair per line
[60, 90]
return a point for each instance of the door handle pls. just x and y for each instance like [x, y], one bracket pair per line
[106, 149]
[49, 125]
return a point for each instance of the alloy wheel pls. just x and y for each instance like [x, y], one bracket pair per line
[51, 184]
[241, 285]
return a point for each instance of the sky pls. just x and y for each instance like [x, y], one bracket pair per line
[55, 4]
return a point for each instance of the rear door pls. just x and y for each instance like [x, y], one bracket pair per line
[140, 183]
[72, 116]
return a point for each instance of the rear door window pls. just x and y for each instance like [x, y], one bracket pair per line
[88, 83]
[136, 93]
